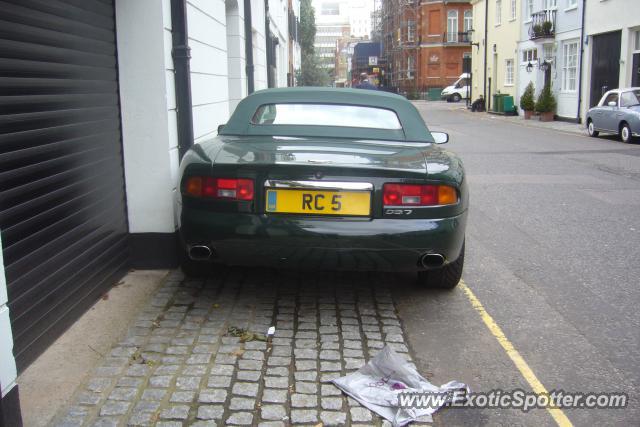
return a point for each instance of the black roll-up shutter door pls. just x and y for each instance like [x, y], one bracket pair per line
[62, 196]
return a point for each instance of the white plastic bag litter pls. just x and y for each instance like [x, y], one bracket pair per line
[378, 383]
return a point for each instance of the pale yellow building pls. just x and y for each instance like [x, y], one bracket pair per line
[500, 47]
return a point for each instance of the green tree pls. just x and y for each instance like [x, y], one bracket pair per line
[311, 72]
[307, 26]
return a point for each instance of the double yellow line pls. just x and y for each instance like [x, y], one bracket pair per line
[557, 414]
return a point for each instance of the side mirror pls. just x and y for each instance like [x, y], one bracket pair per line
[612, 104]
[440, 137]
[220, 127]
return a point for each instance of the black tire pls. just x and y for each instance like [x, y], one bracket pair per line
[456, 97]
[446, 277]
[625, 133]
[591, 129]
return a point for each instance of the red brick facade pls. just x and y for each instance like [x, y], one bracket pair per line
[437, 56]
[440, 61]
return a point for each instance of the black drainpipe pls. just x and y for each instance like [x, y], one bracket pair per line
[486, 43]
[578, 114]
[248, 46]
[181, 55]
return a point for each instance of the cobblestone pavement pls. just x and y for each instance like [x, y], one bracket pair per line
[179, 366]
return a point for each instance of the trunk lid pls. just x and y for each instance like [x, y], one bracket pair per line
[365, 157]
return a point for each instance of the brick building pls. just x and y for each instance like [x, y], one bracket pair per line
[425, 42]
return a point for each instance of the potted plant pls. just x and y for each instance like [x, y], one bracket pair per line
[537, 30]
[527, 101]
[546, 104]
[546, 27]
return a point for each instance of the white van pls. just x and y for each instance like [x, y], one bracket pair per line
[459, 90]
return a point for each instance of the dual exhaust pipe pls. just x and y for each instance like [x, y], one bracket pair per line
[205, 253]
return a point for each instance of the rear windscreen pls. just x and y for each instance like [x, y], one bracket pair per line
[326, 115]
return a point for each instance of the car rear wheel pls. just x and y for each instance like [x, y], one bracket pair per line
[625, 133]
[446, 277]
[592, 129]
[456, 97]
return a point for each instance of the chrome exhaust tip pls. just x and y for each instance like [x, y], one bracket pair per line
[200, 253]
[432, 260]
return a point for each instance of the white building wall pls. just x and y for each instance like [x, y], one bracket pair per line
[568, 26]
[278, 17]
[172, 122]
[259, 44]
[360, 17]
[8, 371]
[236, 56]
[297, 53]
[147, 108]
[206, 20]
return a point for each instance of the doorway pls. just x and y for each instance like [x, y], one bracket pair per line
[605, 64]
[635, 71]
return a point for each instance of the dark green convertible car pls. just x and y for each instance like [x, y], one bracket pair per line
[325, 179]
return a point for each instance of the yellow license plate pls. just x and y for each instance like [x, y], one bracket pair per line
[353, 203]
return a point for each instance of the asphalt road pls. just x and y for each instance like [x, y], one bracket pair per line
[553, 256]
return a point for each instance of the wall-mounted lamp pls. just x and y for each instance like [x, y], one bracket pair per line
[470, 37]
[529, 67]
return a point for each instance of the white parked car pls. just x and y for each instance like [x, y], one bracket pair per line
[457, 91]
[618, 112]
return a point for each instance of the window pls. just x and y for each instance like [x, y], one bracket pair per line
[547, 51]
[508, 75]
[326, 115]
[550, 4]
[330, 8]
[636, 36]
[452, 26]
[513, 9]
[612, 97]
[528, 9]
[411, 31]
[410, 67]
[569, 66]
[498, 12]
[468, 20]
[530, 55]
[632, 97]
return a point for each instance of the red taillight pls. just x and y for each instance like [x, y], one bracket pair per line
[220, 188]
[418, 195]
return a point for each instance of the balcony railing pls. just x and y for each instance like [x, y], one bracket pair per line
[461, 37]
[543, 25]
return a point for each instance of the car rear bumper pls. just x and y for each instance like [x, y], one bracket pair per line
[322, 243]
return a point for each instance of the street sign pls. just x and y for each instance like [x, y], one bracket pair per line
[373, 60]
